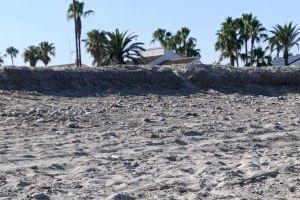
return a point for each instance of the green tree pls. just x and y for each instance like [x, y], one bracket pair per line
[95, 44]
[260, 58]
[244, 25]
[180, 43]
[186, 44]
[120, 47]
[283, 39]
[46, 50]
[31, 55]
[12, 52]
[76, 11]
[163, 37]
[257, 33]
[228, 42]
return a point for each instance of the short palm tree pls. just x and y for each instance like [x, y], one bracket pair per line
[163, 37]
[46, 50]
[260, 58]
[95, 44]
[77, 11]
[31, 55]
[120, 47]
[283, 39]
[228, 42]
[13, 52]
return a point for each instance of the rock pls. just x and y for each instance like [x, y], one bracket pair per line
[147, 120]
[31, 111]
[192, 133]
[72, 125]
[41, 120]
[122, 196]
[23, 184]
[40, 196]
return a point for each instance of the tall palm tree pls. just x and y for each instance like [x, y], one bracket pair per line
[187, 44]
[283, 39]
[76, 12]
[95, 44]
[228, 42]
[31, 55]
[257, 33]
[120, 47]
[13, 52]
[46, 50]
[260, 58]
[244, 24]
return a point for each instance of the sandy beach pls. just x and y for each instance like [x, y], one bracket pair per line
[144, 145]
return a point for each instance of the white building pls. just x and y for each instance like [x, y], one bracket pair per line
[293, 61]
[161, 56]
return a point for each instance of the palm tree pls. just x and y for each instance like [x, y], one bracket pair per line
[46, 50]
[257, 33]
[76, 12]
[120, 47]
[187, 45]
[228, 42]
[95, 44]
[163, 37]
[283, 39]
[13, 52]
[260, 58]
[31, 55]
[180, 43]
[244, 24]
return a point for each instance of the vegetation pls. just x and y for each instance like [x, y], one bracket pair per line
[113, 47]
[283, 39]
[76, 12]
[31, 55]
[236, 33]
[228, 42]
[260, 58]
[95, 44]
[12, 52]
[180, 43]
[46, 50]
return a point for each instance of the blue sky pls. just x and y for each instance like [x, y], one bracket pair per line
[24, 23]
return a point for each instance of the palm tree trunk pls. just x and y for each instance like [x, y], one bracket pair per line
[12, 60]
[252, 56]
[76, 36]
[79, 50]
[232, 60]
[286, 57]
[237, 58]
[246, 50]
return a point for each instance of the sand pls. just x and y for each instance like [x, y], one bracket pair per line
[149, 145]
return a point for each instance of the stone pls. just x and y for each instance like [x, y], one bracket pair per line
[72, 125]
[40, 196]
[122, 196]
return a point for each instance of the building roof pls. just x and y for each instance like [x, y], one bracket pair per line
[144, 60]
[180, 61]
[280, 61]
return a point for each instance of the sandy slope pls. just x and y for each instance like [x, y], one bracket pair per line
[149, 146]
